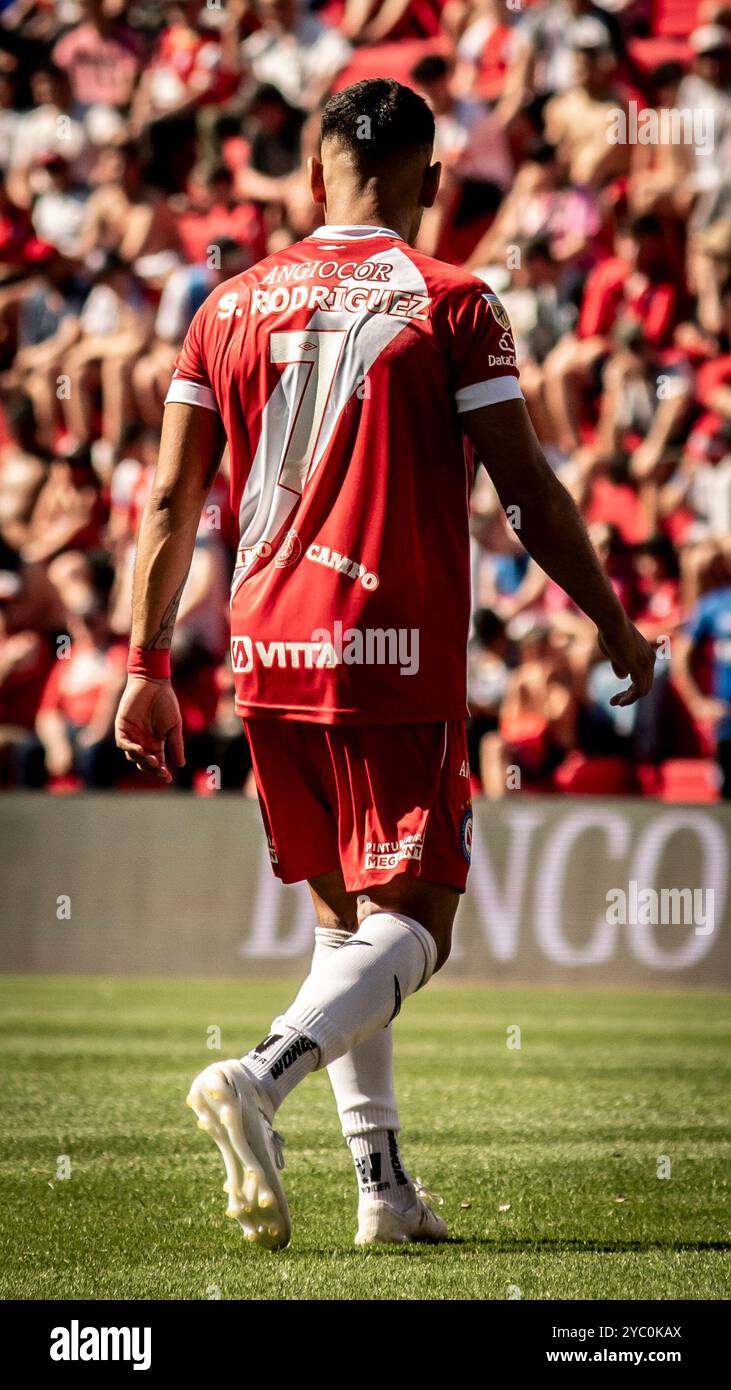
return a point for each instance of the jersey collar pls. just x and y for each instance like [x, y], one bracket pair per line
[352, 233]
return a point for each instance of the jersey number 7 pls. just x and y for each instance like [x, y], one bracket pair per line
[316, 352]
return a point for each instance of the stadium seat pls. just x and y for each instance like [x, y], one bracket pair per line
[688, 779]
[583, 776]
[388, 60]
[674, 19]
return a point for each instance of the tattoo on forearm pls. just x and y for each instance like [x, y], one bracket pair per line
[162, 639]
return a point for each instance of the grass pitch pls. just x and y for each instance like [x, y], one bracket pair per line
[547, 1157]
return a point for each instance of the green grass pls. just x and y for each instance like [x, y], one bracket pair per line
[555, 1134]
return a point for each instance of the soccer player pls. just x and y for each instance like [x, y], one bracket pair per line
[344, 372]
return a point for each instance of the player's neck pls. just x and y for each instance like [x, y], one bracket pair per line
[353, 212]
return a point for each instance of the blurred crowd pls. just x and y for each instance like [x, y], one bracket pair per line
[149, 150]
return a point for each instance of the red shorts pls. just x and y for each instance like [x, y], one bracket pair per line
[374, 800]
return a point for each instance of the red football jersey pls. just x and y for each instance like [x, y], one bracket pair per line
[339, 367]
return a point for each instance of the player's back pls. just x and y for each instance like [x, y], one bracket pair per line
[339, 367]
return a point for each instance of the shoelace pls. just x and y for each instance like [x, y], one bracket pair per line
[278, 1142]
[423, 1192]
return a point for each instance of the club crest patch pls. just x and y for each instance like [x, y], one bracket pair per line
[499, 313]
[465, 835]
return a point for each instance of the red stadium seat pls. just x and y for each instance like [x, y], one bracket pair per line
[582, 776]
[688, 779]
[674, 19]
[388, 60]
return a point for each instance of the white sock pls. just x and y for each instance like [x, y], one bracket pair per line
[360, 988]
[362, 1082]
[362, 1079]
[278, 1063]
[379, 1170]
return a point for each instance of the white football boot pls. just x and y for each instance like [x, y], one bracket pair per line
[381, 1224]
[234, 1112]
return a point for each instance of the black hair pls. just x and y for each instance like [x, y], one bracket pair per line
[644, 224]
[430, 68]
[663, 550]
[377, 118]
[666, 75]
[218, 173]
[537, 248]
[487, 626]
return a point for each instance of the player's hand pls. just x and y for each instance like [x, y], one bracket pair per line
[148, 718]
[631, 655]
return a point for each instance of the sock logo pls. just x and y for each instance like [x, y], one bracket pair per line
[296, 1049]
[397, 1000]
[368, 1169]
[399, 1175]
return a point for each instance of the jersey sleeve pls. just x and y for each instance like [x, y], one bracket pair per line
[484, 368]
[191, 384]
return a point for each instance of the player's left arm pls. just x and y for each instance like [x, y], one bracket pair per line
[148, 718]
[553, 532]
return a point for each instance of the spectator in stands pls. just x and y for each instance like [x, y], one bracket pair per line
[577, 121]
[59, 208]
[115, 325]
[706, 92]
[26, 658]
[68, 513]
[483, 34]
[22, 472]
[544, 63]
[708, 636]
[75, 720]
[542, 204]
[193, 68]
[124, 213]
[487, 679]
[471, 144]
[102, 58]
[47, 129]
[48, 326]
[294, 51]
[633, 287]
[185, 290]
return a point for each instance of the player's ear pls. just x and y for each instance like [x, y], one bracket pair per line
[430, 185]
[317, 180]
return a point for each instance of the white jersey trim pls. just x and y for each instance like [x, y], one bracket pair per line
[490, 392]
[184, 392]
[351, 233]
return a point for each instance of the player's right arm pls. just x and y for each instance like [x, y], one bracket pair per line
[190, 448]
[553, 532]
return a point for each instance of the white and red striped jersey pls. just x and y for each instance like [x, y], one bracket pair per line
[340, 367]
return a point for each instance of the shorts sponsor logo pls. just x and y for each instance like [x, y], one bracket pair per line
[334, 560]
[386, 854]
[465, 834]
[289, 551]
